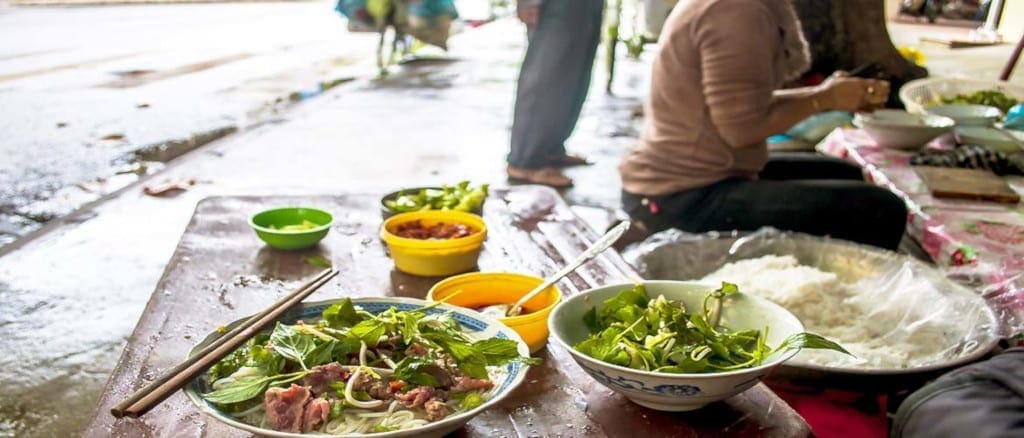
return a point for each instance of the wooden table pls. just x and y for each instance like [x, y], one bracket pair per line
[221, 272]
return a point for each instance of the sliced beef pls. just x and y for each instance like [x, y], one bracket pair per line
[436, 409]
[379, 390]
[318, 411]
[468, 384]
[319, 379]
[285, 406]
[416, 397]
[362, 382]
[415, 350]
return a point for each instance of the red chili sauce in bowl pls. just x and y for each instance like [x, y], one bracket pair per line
[439, 231]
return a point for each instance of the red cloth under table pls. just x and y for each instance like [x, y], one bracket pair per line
[834, 413]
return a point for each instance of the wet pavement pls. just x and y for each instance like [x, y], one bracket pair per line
[94, 97]
[74, 293]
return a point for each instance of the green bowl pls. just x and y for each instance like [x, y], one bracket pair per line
[264, 221]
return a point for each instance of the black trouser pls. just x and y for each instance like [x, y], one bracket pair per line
[797, 192]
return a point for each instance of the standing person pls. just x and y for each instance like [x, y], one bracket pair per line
[702, 163]
[553, 83]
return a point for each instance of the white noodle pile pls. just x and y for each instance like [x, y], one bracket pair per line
[886, 322]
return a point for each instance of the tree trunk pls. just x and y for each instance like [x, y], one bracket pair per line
[851, 34]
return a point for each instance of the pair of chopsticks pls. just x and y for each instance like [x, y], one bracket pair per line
[151, 395]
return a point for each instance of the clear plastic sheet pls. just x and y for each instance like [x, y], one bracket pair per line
[895, 312]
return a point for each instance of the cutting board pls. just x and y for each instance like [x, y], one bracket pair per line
[950, 182]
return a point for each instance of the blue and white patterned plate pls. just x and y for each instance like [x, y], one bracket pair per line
[474, 324]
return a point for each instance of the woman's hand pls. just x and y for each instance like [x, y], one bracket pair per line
[844, 93]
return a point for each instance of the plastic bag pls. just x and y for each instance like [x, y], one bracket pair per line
[892, 311]
[429, 21]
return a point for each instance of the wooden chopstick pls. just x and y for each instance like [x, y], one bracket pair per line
[149, 396]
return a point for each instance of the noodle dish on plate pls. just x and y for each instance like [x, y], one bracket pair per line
[386, 367]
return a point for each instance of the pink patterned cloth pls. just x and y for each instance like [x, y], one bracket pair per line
[978, 243]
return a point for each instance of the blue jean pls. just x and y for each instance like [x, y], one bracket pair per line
[795, 192]
[554, 80]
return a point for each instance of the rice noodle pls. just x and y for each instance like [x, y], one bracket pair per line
[355, 377]
[887, 322]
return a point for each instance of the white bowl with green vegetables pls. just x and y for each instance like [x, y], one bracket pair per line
[652, 343]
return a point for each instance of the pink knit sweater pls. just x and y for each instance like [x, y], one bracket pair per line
[711, 90]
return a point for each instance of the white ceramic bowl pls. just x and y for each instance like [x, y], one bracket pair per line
[474, 324]
[668, 391]
[967, 114]
[902, 130]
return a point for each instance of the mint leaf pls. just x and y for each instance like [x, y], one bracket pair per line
[497, 351]
[471, 362]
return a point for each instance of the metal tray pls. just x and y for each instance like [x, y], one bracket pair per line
[675, 255]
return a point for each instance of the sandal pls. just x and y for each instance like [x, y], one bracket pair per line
[548, 176]
[568, 160]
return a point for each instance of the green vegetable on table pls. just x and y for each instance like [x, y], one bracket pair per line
[460, 197]
[633, 330]
[994, 98]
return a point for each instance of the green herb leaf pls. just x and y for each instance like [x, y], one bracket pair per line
[626, 307]
[423, 379]
[471, 362]
[497, 351]
[265, 359]
[336, 409]
[341, 315]
[321, 354]
[471, 400]
[239, 390]
[292, 344]
[590, 319]
[368, 331]
[809, 340]
[728, 289]
[317, 261]
[410, 365]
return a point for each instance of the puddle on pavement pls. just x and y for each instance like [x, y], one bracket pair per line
[419, 75]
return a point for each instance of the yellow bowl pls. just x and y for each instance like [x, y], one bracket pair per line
[433, 258]
[479, 289]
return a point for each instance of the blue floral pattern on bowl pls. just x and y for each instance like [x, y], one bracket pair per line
[637, 385]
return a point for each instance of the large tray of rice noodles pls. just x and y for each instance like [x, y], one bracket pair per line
[902, 319]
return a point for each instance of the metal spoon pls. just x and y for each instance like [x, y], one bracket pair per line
[613, 235]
